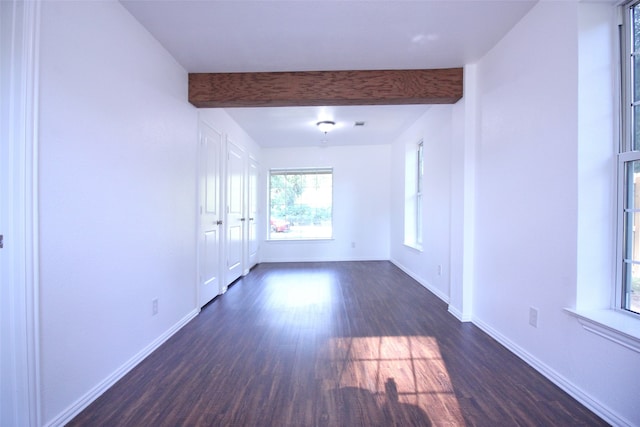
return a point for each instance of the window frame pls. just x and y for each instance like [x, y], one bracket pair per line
[298, 171]
[626, 156]
[606, 318]
[419, 191]
[414, 195]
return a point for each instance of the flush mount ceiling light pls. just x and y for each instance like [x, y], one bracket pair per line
[325, 125]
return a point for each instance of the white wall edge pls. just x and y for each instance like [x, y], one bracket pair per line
[570, 388]
[427, 285]
[21, 395]
[84, 401]
[458, 314]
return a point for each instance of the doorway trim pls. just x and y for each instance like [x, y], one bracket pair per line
[20, 272]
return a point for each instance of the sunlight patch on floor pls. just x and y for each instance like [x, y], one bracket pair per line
[406, 370]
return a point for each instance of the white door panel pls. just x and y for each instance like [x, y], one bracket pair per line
[211, 259]
[210, 214]
[235, 211]
[234, 248]
[253, 212]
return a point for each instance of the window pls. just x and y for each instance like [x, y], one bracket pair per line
[413, 191]
[628, 293]
[300, 204]
[419, 172]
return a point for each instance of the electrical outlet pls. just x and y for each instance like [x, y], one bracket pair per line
[533, 317]
[353, 245]
[154, 306]
[439, 269]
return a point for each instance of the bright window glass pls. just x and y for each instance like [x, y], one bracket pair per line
[420, 173]
[414, 195]
[300, 204]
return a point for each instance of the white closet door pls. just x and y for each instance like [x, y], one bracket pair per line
[235, 211]
[253, 211]
[210, 214]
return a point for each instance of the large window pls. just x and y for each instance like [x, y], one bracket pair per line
[628, 294]
[300, 204]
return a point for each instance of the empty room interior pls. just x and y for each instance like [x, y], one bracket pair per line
[322, 212]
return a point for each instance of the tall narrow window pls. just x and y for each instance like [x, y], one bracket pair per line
[413, 191]
[419, 173]
[629, 166]
[300, 204]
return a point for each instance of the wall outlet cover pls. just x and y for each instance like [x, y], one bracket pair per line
[533, 317]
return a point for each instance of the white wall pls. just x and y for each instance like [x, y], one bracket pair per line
[361, 200]
[528, 185]
[463, 165]
[117, 198]
[597, 145]
[434, 128]
[526, 173]
[534, 137]
[19, 394]
[220, 120]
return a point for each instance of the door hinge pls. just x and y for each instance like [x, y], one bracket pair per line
[1, 241]
[620, 15]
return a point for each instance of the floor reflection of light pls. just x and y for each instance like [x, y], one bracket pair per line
[300, 290]
[406, 369]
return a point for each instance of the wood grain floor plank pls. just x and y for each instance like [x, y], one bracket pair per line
[332, 344]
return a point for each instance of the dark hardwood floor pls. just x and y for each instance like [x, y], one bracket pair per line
[332, 344]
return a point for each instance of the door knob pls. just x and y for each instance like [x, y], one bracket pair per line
[250, 219]
[242, 219]
[219, 222]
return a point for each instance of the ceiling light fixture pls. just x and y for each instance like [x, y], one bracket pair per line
[325, 125]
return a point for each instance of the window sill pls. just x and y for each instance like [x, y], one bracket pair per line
[413, 246]
[621, 328]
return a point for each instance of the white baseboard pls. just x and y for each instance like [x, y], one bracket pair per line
[437, 292]
[302, 259]
[80, 404]
[585, 399]
[553, 376]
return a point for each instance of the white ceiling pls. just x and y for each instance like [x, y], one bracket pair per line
[323, 35]
[296, 126]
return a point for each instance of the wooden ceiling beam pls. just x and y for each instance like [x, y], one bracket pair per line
[317, 88]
